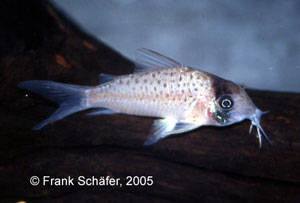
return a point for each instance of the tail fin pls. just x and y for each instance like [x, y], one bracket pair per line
[69, 97]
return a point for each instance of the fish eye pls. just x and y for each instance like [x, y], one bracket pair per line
[226, 102]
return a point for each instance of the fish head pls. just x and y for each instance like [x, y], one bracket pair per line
[231, 104]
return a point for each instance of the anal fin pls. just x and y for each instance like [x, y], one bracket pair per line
[102, 111]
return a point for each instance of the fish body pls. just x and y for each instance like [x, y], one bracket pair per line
[179, 93]
[182, 97]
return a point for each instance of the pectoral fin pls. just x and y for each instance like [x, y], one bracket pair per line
[165, 127]
[182, 127]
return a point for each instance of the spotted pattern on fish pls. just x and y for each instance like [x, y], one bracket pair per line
[175, 92]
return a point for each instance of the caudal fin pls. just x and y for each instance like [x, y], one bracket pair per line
[69, 97]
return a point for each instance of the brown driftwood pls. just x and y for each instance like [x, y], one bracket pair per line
[207, 164]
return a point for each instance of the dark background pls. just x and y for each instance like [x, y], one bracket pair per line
[207, 164]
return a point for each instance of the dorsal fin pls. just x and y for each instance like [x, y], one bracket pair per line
[147, 60]
[103, 78]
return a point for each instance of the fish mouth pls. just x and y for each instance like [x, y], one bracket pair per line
[255, 121]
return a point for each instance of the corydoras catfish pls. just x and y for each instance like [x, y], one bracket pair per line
[181, 97]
